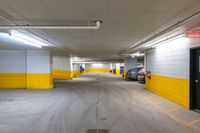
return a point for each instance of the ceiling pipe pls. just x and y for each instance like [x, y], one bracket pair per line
[55, 27]
[41, 36]
[178, 24]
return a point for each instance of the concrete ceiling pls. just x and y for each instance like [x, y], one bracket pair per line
[125, 22]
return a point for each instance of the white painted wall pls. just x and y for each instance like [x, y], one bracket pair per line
[97, 65]
[129, 63]
[117, 66]
[76, 66]
[12, 61]
[111, 65]
[62, 63]
[38, 61]
[171, 58]
[83, 65]
[25, 61]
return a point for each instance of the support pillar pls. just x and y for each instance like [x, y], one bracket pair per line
[12, 69]
[117, 69]
[129, 63]
[39, 69]
[76, 70]
[111, 67]
[62, 68]
[25, 69]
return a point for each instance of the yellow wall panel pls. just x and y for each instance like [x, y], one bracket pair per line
[12, 80]
[174, 89]
[60, 74]
[118, 72]
[97, 70]
[76, 73]
[39, 81]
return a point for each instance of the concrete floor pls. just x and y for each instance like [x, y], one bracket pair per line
[90, 101]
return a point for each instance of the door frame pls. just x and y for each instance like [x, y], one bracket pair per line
[192, 78]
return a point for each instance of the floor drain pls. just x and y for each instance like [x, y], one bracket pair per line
[99, 131]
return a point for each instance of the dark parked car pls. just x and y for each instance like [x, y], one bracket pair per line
[141, 76]
[133, 73]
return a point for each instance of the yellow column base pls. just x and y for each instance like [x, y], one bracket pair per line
[60, 74]
[76, 73]
[39, 81]
[12, 80]
[22, 80]
[117, 72]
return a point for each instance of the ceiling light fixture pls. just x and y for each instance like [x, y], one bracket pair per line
[55, 27]
[165, 40]
[29, 38]
[25, 39]
[138, 54]
[20, 39]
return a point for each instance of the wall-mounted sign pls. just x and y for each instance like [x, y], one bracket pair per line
[193, 34]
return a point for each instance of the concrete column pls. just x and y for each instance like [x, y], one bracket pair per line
[117, 69]
[62, 67]
[129, 63]
[111, 65]
[76, 70]
[12, 69]
[25, 69]
[39, 69]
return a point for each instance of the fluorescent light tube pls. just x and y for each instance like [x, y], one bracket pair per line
[17, 38]
[28, 38]
[25, 39]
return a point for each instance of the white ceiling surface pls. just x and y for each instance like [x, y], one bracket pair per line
[125, 22]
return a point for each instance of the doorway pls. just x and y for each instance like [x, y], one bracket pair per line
[195, 79]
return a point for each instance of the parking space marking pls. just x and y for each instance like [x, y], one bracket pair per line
[182, 123]
[171, 110]
[149, 100]
[193, 121]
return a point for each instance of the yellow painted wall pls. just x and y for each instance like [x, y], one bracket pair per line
[97, 70]
[12, 80]
[174, 89]
[118, 72]
[22, 80]
[39, 81]
[76, 73]
[60, 74]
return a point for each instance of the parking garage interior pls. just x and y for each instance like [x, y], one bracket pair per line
[99, 66]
